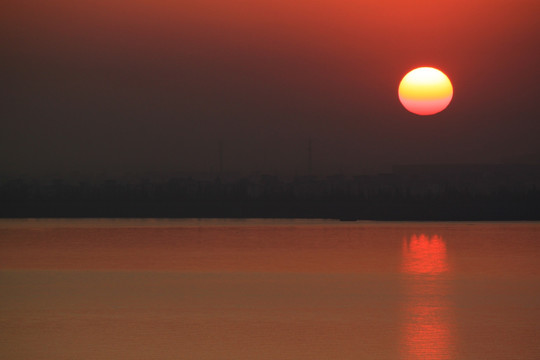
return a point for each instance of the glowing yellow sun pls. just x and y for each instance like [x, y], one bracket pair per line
[425, 91]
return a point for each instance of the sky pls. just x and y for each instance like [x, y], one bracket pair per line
[156, 85]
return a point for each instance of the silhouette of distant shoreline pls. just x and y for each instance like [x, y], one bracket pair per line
[410, 192]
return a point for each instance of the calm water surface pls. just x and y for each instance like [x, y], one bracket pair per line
[274, 289]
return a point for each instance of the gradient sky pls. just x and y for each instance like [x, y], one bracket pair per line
[118, 85]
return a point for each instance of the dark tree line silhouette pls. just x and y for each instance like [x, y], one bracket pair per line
[409, 193]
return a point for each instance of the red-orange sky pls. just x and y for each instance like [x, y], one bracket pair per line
[138, 85]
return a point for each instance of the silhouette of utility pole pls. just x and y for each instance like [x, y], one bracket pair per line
[265, 163]
[220, 150]
[310, 161]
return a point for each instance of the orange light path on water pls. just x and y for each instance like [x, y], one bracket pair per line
[423, 255]
[426, 332]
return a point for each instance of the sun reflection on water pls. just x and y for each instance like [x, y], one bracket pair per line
[424, 255]
[426, 331]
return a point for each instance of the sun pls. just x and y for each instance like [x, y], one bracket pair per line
[425, 91]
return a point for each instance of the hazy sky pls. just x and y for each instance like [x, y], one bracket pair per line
[136, 85]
